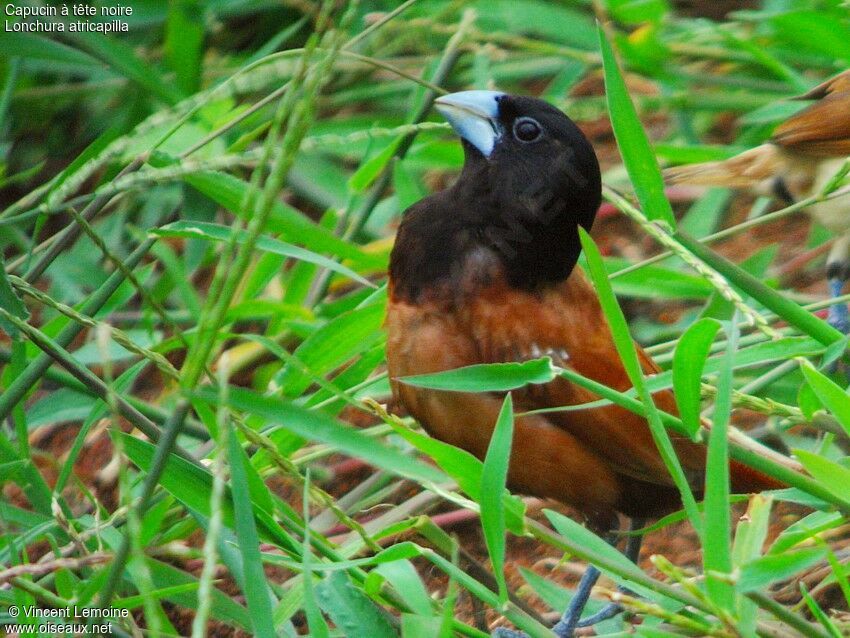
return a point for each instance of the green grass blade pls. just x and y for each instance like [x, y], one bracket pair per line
[830, 394]
[688, 365]
[790, 311]
[257, 594]
[634, 146]
[493, 480]
[717, 557]
[487, 377]
[217, 232]
[628, 355]
[10, 301]
[316, 426]
[184, 39]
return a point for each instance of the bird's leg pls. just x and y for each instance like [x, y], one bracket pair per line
[571, 620]
[837, 271]
[632, 552]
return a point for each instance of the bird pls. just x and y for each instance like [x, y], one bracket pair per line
[485, 271]
[804, 153]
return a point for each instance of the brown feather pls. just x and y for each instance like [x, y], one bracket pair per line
[600, 460]
[835, 84]
[821, 129]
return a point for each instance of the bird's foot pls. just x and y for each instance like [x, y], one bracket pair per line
[572, 620]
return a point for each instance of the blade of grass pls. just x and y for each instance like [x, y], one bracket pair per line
[634, 146]
[688, 367]
[716, 538]
[493, 479]
[626, 349]
[258, 597]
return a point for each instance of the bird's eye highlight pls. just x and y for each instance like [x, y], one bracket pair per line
[527, 129]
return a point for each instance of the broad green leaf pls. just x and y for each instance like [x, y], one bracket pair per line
[765, 570]
[216, 232]
[487, 377]
[833, 398]
[350, 608]
[834, 477]
[688, 364]
[493, 480]
[634, 146]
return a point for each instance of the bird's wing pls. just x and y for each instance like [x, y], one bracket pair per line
[513, 324]
[821, 129]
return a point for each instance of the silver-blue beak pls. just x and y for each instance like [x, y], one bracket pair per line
[474, 115]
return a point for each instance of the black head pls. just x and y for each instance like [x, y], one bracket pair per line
[530, 179]
[526, 150]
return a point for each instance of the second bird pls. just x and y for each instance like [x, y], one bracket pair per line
[805, 152]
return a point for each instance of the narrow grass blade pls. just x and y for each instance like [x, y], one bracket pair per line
[487, 377]
[583, 537]
[257, 594]
[626, 349]
[790, 311]
[184, 38]
[716, 540]
[634, 146]
[216, 232]
[350, 608]
[688, 365]
[493, 479]
[315, 621]
[761, 572]
[834, 477]
[830, 394]
[10, 301]
[316, 426]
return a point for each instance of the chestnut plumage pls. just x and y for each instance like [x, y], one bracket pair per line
[485, 272]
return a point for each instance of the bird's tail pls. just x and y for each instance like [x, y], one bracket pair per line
[747, 170]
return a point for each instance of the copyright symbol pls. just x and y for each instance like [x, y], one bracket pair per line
[14, 611]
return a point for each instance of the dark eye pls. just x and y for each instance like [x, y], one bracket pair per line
[526, 129]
